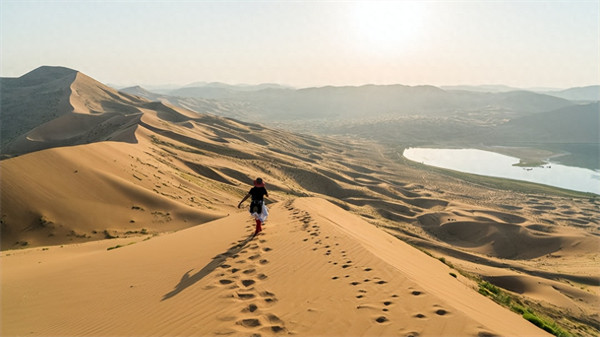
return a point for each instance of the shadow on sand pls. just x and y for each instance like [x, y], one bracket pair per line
[187, 280]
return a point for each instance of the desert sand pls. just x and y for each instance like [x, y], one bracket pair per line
[315, 270]
[129, 227]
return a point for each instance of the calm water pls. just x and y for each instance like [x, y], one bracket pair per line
[498, 165]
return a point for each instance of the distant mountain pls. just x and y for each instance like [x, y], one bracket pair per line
[572, 131]
[375, 101]
[572, 124]
[372, 101]
[590, 93]
[141, 92]
[492, 88]
[236, 87]
[204, 92]
[200, 105]
[217, 90]
[223, 91]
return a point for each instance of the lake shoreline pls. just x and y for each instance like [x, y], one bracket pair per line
[493, 164]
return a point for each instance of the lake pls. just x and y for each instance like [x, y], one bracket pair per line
[497, 165]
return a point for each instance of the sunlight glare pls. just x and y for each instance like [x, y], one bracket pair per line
[388, 26]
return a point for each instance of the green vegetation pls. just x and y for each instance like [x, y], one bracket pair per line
[107, 235]
[44, 222]
[514, 304]
[144, 231]
[508, 300]
[530, 163]
[119, 246]
[22, 243]
[443, 259]
[550, 327]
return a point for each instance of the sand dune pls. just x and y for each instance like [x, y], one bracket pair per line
[316, 270]
[143, 168]
[88, 192]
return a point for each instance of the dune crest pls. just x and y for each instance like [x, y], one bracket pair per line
[102, 169]
[316, 270]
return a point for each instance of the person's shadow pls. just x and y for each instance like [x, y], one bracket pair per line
[187, 280]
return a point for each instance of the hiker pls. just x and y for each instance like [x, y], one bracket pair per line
[257, 207]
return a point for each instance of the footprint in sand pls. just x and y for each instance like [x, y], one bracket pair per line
[250, 308]
[249, 322]
[276, 329]
[248, 283]
[246, 296]
[441, 312]
[268, 297]
[273, 319]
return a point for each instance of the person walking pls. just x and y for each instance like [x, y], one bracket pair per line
[258, 209]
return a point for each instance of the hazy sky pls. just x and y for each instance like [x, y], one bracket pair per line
[308, 43]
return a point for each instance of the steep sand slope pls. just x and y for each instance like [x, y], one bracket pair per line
[90, 192]
[316, 270]
[88, 111]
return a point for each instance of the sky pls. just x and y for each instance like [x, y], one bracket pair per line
[526, 44]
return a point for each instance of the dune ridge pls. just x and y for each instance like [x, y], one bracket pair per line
[316, 270]
[159, 169]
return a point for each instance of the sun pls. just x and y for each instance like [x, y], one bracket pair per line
[387, 26]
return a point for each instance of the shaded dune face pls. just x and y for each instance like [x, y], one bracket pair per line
[490, 237]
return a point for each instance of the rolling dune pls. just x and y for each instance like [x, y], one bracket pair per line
[316, 270]
[117, 169]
